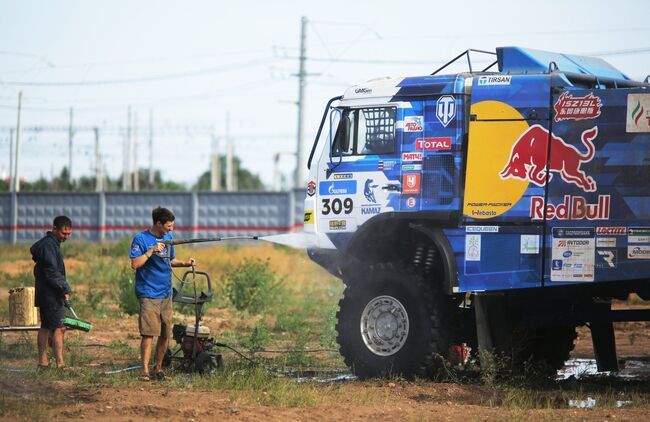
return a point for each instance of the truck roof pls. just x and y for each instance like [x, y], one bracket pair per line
[510, 60]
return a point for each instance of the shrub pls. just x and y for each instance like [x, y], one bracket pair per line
[125, 294]
[252, 286]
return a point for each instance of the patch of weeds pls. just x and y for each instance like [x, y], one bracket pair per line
[258, 385]
[125, 292]
[258, 338]
[18, 408]
[24, 279]
[24, 347]
[252, 286]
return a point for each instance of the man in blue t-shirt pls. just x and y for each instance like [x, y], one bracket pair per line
[152, 263]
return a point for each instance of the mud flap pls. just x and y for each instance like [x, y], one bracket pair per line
[492, 327]
[602, 336]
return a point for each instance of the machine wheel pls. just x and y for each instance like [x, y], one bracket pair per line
[204, 363]
[392, 322]
[167, 359]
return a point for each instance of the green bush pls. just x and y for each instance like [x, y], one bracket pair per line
[252, 286]
[125, 295]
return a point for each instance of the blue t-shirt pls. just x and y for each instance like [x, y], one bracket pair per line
[154, 279]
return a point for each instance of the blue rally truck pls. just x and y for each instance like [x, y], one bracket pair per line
[499, 209]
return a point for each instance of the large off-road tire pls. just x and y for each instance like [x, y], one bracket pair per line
[393, 323]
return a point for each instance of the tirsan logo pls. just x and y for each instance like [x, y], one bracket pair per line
[412, 156]
[572, 208]
[413, 124]
[494, 80]
[613, 231]
[528, 158]
[446, 109]
[433, 144]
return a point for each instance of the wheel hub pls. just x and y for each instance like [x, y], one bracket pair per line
[384, 325]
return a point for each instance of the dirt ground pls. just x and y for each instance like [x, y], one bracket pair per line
[65, 399]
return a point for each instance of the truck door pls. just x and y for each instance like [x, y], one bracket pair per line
[504, 180]
[360, 178]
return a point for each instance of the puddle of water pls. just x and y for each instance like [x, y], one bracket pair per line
[629, 370]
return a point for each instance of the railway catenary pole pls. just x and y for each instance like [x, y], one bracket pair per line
[298, 180]
[16, 176]
[70, 137]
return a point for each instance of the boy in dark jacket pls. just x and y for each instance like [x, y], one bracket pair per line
[52, 289]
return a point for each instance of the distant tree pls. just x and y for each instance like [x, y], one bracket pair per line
[245, 179]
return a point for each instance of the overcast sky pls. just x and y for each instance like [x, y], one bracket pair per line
[192, 63]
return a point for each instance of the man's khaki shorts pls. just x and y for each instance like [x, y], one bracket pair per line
[155, 317]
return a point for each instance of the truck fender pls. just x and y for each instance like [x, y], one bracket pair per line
[435, 234]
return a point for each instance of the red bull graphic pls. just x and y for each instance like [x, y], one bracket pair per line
[528, 158]
[572, 208]
[569, 107]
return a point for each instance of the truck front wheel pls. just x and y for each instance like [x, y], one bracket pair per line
[393, 323]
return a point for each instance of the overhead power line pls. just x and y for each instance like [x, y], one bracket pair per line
[179, 75]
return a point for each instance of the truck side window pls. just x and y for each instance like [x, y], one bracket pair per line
[376, 130]
[344, 135]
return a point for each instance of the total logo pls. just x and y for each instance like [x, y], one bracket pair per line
[433, 144]
[572, 208]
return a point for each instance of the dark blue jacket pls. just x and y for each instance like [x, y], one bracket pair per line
[49, 272]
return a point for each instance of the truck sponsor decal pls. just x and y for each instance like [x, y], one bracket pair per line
[411, 167]
[605, 242]
[638, 252]
[638, 235]
[568, 107]
[339, 187]
[611, 231]
[309, 217]
[446, 109]
[411, 156]
[411, 202]
[482, 229]
[528, 158]
[411, 183]
[572, 208]
[370, 210]
[369, 191]
[573, 254]
[638, 113]
[413, 124]
[529, 244]
[311, 188]
[473, 247]
[433, 144]
[606, 258]
[337, 225]
[342, 176]
[494, 80]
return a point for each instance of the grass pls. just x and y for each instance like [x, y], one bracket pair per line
[278, 300]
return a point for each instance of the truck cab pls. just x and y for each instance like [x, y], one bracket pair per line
[454, 205]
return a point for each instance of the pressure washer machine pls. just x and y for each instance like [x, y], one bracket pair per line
[196, 350]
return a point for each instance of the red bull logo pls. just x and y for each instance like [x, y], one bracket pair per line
[572, 208]
[528, 158]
